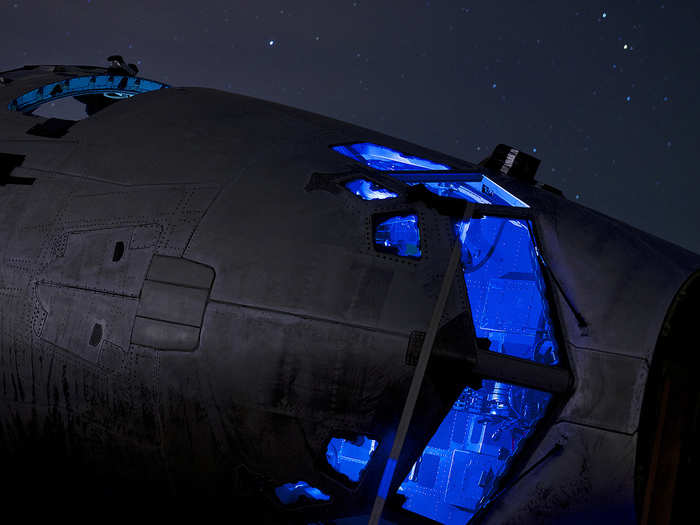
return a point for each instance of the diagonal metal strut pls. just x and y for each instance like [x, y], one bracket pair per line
[418, 376]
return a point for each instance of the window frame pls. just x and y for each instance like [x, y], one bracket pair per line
[560, 377]
[520, 372]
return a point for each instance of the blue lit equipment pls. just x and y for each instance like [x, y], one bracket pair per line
[350, 457]
[118, 95]
[111, 86]
[458, 469]
[368, 190]
[386, 159]
[506, 288]
[484, 191]
[291, 492]
[399, 235]
[456, 473]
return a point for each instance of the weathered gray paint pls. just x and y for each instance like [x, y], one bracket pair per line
[294, 328]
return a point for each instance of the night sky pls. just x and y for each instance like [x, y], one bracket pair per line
[604, 93]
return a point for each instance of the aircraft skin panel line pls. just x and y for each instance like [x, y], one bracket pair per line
[209, 300]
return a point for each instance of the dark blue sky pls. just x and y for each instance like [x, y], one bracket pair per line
[605, 93]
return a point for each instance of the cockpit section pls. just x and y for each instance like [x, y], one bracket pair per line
[460, 468]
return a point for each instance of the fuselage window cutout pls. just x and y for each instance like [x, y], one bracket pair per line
[79, 97]
[457, 472]
[386, 159]
[350, 457]
[368, 190]
[8, 163]
[96, 335]
[480, 191]
[118, 251]
[397, 234]
[290, 493]
[506, 288]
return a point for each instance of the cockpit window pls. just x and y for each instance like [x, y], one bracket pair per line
[506, 288]
[94, 92]
[398, 235]
[457, 471]
[473, 187]
[350, 457]
[291, 493]
[386, 159]
[481, 191]
[368, 190]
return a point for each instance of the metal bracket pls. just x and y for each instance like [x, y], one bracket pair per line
[119, 65]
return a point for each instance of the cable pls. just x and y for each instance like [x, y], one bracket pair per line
[482, 262]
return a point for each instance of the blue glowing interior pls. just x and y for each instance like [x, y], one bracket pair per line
[457, 471]
[483, 191]
[506, 288]
[111, 86]
[386, 159]
[368, 190]
[291, 492]
[350, 457]
[399, 235]
[501, 268]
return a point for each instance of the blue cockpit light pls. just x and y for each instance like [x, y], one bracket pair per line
[506, 288]
[350, 457]
[291, 492]
[368, 190]
[399, 235]
[118, 95]
[111, 86]
[386, 159]
[457, 471]
[483, 191]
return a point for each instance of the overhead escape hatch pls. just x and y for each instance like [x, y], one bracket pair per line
[82, 95]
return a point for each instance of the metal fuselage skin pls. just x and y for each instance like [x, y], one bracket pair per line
[183, 307]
